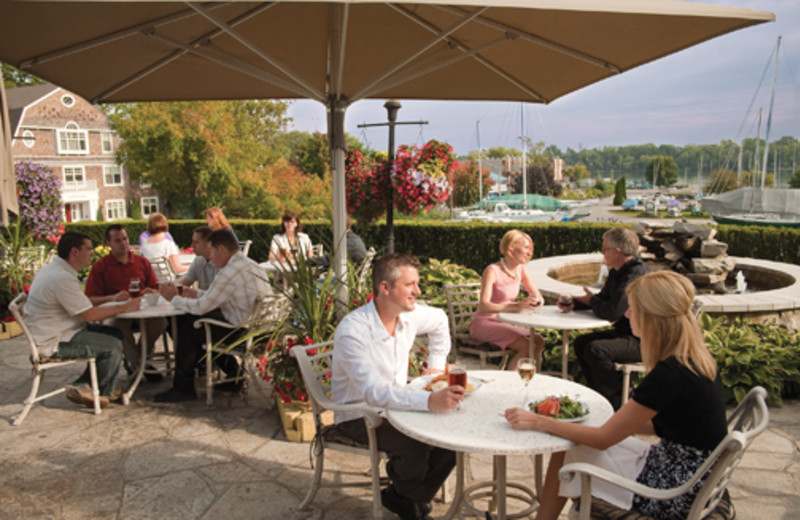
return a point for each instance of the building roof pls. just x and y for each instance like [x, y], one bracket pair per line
[21, 97]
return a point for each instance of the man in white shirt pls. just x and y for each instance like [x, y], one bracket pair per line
[238, 285]
[370, 364]
[58, 314]
[202, 269]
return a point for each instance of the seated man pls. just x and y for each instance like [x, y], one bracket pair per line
[239, 284]
[58, 315]
[202, 269]
[370, 364]
[598, 351]
[109, 279]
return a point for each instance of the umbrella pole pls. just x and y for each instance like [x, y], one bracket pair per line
[338, 149]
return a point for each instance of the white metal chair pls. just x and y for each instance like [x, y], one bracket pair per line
[315, 362]
[363, 269]
[163, 269]
[317, 250]
[745, 423]
[266, 314]
[41, 363]
[462, 302]
[244, 246]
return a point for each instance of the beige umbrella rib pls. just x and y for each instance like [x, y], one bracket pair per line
[468, 17]
[541, 41]
[339, 17]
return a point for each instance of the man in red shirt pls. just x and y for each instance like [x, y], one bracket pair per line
[110, 278]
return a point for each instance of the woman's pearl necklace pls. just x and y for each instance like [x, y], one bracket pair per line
[507, 270]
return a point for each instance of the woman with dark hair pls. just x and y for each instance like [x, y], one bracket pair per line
[216, 220]
[157, 245]
[680, 400]
[290, 240]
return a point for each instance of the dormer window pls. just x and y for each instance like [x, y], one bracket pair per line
[72, 140]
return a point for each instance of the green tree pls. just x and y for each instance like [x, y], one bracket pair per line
[667, 170]
[13, 77]
[193, 153]
[794, 182]
[620, 192]
[540, 180]
[465, 183]
[498, 152]
[722, 180]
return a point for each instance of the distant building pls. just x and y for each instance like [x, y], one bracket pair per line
[56, 128]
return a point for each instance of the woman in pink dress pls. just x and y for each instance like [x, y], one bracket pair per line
[500, 285]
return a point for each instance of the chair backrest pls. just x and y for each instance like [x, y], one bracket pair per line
[163, 269]
[317, 250]
[270, 310]
[16, 310]
[363, 269]
[31, 258]
[244, 246]
[462, 302]
[315, 367]
[745, 423]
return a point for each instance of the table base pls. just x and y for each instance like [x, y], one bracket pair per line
[137, 376]
[497, 491]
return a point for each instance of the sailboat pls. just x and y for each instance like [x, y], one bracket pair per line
[758, 206]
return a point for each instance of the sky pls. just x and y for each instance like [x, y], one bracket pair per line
[700, 95]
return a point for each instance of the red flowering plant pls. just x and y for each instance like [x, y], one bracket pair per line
[420, 179]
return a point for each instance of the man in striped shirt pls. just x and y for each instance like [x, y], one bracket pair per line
[238, 285]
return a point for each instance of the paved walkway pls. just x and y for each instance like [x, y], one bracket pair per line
[231, 460]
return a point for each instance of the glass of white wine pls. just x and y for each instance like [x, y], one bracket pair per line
[526, 368]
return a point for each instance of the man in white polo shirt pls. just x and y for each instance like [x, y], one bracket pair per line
[59, 316]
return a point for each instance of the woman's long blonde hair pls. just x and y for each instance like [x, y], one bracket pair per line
[512, 236]
[661, 304]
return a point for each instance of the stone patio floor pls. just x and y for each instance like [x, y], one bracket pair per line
[231, 460]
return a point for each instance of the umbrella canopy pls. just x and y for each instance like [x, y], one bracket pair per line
[338, 52]
[8, 184]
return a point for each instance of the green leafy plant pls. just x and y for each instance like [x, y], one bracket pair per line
[434, 274]
[749, 354]
[14, 269]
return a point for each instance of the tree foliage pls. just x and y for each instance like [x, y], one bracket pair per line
[667, 170]
[794, 182]
[193, 153]
[13, 77]
[539, 180]
[465, 184]
[722, 180]
[620, 192]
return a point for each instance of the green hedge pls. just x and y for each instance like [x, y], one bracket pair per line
[472, 244]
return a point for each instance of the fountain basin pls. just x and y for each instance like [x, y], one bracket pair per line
[778, 296]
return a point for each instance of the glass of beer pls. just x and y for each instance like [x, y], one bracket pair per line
[526, 370]
[134, 287]
[457, 375]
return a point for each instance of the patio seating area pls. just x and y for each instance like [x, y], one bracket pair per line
[231, 460]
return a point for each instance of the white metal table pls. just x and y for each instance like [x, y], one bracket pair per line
[479, 427]
[163, 309]
[551, 317]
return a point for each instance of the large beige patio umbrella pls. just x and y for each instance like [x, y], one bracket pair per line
[8, 184]
[338, 52]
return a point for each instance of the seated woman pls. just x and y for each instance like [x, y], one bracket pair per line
[159, 246]
[680, 400]
[500, 285]
[290, 241]
[216, 220]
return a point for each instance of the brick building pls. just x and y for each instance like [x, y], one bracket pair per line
[61, 130]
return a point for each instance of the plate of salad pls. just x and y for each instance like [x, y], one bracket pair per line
[561, 407]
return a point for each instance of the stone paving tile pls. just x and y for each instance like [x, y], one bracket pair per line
[231, 461]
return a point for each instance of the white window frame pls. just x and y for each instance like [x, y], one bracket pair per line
[28, 139]
[115, 209]
[84, 206]
[72, 140]
[147, 205]
[106, 174]
[68, 100]
[73, 183]
[107, 142]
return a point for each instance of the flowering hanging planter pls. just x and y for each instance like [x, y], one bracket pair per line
[420, 178]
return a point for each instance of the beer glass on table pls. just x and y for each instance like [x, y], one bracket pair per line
[135, 287]
[457, 375]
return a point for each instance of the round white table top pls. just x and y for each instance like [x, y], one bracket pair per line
[161, 310]
[480, 426]
[551, 317]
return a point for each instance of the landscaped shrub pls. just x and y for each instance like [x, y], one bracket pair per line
[39, 193]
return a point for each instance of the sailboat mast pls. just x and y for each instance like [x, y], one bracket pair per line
[524, 156]
[769, 115]
[739, 168]
[480, 165]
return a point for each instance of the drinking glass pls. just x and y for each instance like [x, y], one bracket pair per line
[564, 302]
[526, 369]
[134, 287]
[457, 375]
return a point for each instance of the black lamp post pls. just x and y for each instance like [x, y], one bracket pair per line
[391, 107]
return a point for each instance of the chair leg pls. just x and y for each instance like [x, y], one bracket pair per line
[626, 384]
[209, 375]
[483, 360]
[377, 505]
[95, 389]
[319, 463]
[28, 403]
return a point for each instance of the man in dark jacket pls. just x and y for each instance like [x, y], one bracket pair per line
[598, 351]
